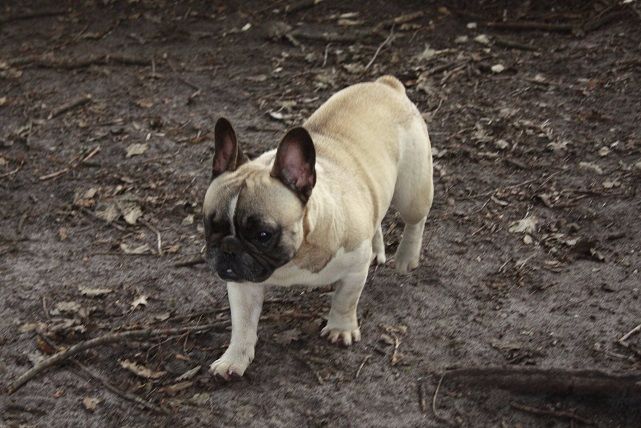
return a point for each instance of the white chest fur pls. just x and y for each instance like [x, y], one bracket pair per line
[342, 265]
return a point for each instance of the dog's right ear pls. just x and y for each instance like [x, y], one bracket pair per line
[227, 155]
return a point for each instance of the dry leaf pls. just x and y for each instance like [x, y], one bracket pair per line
[526, 225]
[94, 292]
[66, 307]
[140, 370]
[175, 388]
[288, 336]
[590, 167]
[144, 103]
[133, 249]
[137, 149]
[498, 68]
[107, 212]
[90, 403]
[63, 234]
[3, 101]
[139, 301]
[189, 374]
[131, 212]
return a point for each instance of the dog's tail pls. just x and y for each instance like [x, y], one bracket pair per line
[392, 82]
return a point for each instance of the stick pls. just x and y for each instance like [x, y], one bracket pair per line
[530, 25]
[504, 43]
[361, 366]
[70, 106]
[422, 403]
[385, 42]
[436, 415]
[623, 341]
[91, 374]
[32, 15]
[71, 64]
[157, 232]
[549, 412]
[301, 5]
[191, 262]
[10, 173]
[552, 381]
[99, 341]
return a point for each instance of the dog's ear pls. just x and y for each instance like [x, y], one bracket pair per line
[227, 155]
[295, 163]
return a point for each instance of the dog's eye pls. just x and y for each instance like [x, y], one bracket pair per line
[263, 236]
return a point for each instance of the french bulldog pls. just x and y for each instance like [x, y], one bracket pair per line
[309, 212]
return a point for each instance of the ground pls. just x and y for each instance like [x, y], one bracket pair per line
[531, 251]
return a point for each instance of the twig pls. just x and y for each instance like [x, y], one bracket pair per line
[434, 411]
[15, 171]
[552, 381]
[93, 375]
[623, 341]
[71, 63]
[158, 236]
[504, 43]
[422, 403]
[72, 164]
[191, 262]
[70, 106]
[99, 341]
[530, 25]
[358, 372]
[381, 46]
[32, 15]
[300, 5]
[549, 412]
[127, 396]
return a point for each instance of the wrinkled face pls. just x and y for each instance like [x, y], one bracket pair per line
[253, 224]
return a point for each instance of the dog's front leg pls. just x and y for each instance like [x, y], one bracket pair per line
[342, 322]
[245, 302]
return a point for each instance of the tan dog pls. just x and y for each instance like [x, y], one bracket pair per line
[309, 213]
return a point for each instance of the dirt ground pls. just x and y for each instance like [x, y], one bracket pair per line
[531, 251]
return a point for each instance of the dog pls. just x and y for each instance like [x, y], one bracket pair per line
[309, 212]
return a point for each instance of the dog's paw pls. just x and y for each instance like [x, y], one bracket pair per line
[379, 258]
[230, 366]
[405, 263]
[336, 334]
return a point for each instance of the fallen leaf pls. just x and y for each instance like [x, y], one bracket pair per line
[139, 301]
[63, 234]
[94, 292]
[131, 212]
[140, 370]
[163, 316]
[288, 336]
[604, 151]
[107, 212]
[497, 68]
[189, 374]
[482, 39]
[176, 388]
[502, 144]
[144, 103]
[137, 149]
[188, 220]
[526, 225]
[3, 101]
[200, 398]
[590, 167]
[637, 166]
[135, 249]
[30, 326]
[90, 403]
[461, 39]
[66, 307]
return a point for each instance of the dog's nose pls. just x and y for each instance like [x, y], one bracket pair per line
[230, 246]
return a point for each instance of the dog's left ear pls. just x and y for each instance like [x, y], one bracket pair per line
[227, 156]
[295, 163]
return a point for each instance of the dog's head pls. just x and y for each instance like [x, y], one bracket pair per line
[253, 211]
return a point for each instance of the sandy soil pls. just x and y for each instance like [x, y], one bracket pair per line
[531, 253]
